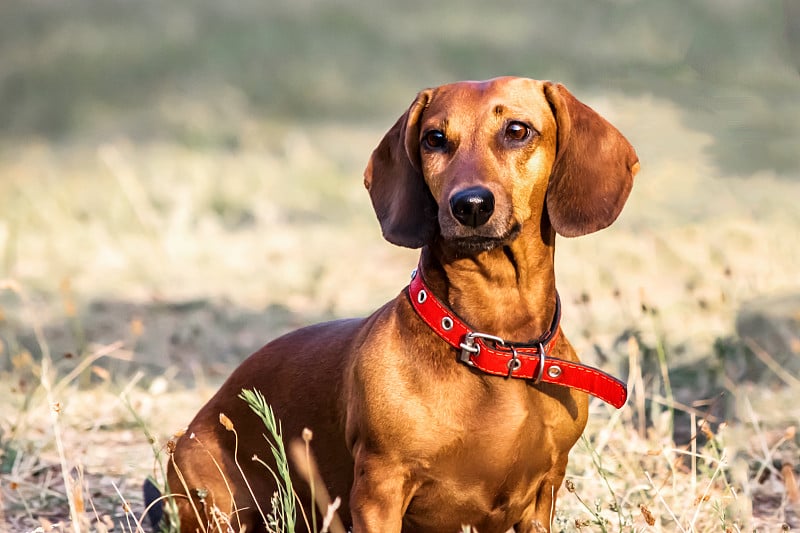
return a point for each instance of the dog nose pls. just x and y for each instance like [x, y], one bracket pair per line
[472, 206]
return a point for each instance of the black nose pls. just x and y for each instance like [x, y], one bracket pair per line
[472, 206]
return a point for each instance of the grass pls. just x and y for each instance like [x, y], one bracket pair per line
[283, 516]
[180, 182]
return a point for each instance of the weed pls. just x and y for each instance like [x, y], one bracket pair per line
[283, 516]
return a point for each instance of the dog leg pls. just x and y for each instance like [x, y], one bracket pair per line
[538, 517]
[378, 499]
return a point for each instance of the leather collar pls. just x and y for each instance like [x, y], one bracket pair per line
[498, 357]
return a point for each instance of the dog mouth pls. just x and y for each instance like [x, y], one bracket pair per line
[479, 243]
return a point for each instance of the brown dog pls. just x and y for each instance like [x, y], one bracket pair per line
[419, 421]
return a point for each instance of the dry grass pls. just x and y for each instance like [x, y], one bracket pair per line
[152, 227]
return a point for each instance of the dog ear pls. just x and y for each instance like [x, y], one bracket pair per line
[402, 201]
[593, 170]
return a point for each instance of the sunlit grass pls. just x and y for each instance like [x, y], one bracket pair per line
[247, 229]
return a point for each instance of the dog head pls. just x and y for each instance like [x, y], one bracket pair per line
[472, 162]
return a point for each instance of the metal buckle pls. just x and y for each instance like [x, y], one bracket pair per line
[470, 347]
[514, 363]
[540, 369]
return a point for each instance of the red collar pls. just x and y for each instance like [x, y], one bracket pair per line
[495, 356]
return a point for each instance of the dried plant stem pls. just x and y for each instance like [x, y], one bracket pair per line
[636, 380]
[234, 507]
[84, 364]
[186, 490]
[599, 520]
[244, 477]
[771, 363]
[53, 405]
[127, 509]
[598, 465]
[664, 502]
[131, 187]
[705, 494]
[693, 455]
[662, 363]
[307, 440]
[307, 467]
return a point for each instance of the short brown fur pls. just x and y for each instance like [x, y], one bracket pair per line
[410, 438]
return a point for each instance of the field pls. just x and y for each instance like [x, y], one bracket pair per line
[180, 182]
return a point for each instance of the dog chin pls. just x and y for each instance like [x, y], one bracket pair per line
[476, 244]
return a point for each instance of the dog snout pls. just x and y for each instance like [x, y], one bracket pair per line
[473, 206]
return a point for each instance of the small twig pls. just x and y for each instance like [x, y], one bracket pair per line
[599, 520]
[226, 422]
[217, 466]
[188, 494]
[307, 439]
[771, 363]
[790, 483]
[672, 404]
[307, 467]
[331, 516]
[766, 462]
[637, 384]
[131, 188]
[127, 508]
[597, 462]
[705, 494]
[84, 363]
[693, 455]
[663, 501]
[690, 454]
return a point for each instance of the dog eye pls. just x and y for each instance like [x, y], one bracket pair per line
[517, 131]
[434, 139]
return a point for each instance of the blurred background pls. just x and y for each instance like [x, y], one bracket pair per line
[193, 151]
[184, 179]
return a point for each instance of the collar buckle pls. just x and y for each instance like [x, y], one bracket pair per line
[470, 347]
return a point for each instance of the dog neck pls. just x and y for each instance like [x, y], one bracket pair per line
[508, 291]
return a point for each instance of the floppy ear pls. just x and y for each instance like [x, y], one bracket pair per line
[405, 207]
[593, 170]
